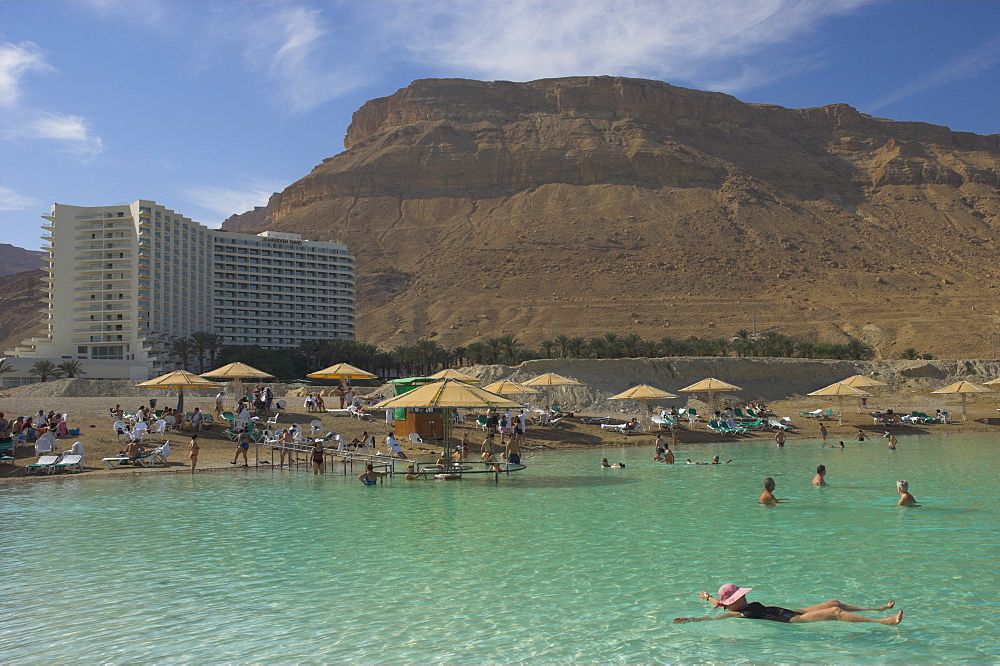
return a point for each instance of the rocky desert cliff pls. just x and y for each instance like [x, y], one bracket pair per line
[595, 204]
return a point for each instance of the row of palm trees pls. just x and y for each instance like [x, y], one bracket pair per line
[204, 350]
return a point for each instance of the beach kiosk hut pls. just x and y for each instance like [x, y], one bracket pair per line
[963, 389]
[839, 390]
[710, 385]
[422, 420]
[445, 396]
[643, 393]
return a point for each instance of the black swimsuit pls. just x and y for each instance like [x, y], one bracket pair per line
[757, 611]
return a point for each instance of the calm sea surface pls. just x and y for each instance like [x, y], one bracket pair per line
[562, 563]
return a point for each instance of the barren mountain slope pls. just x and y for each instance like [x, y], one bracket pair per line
[21, 305]
[594, 204]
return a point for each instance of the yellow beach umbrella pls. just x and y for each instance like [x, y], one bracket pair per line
[448, 394]
[341, 371]
[710, 385]
[505, 387]
[450, 373]
[237, 371]
[994, 382]
[643, 393]
[839, 390]
[180, 380]
[963, 388]
[861, 382]
[552, 379]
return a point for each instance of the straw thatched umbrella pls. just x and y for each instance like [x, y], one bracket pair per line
[449, 373]
[963, 388]
[180, 380]
[710, 385]
[447, 395]
[839, 390]
[643, 393]
[863, 383]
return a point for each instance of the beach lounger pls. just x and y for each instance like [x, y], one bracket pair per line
[359, 413]
[814, 414]
[43, 464]
[595, 420]
[7, 452]
[69, 463]
[778, 425]
[340, 412]
[159, 455]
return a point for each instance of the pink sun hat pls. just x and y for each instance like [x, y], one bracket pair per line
[730, 594]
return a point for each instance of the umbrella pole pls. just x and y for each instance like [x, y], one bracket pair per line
[964, 418]
[840, 408]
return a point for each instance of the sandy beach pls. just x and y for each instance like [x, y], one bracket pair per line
[91, 416]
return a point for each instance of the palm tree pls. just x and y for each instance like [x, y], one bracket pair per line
[510, 345]
[428, 351]
[182, 349]
[308, 351]
[598, 348]
[859, 350]
[547, 346]
[721, 346]
[403, 356]
[576, 346]
[630, 345]
[670, 346]
[562, 341]
[5, 367]
[805, 348]
[612, 345]
[45, 369]
[744, 342]
[71, 368]
[478, 352]
[459, 354]
[494, 346]
[205, 341]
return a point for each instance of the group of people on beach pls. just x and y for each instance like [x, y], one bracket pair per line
[33, 427]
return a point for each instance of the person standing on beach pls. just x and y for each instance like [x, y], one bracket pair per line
[219, 400]
[193, 449]
[242, 446]
[822, 431]
[779, 438]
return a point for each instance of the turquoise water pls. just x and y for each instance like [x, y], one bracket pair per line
[565, 562]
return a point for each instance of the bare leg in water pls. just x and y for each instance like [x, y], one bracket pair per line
[836, 614]
[844, 607]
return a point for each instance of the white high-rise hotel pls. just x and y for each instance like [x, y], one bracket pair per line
[125, 280]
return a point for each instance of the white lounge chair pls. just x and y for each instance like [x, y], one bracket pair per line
[359, 413]
[70, 463]
[45, 444]
[317, 429]
[44, 463]
[160, 455]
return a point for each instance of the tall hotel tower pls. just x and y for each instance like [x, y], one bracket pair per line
[123, 281]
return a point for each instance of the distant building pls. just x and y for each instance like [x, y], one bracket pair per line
[124, 281]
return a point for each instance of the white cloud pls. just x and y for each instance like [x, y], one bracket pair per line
[964, 67]
[11, 200]
[15, 60]
[71, 132]
[227, 201]
[530, 39]
[288, 46]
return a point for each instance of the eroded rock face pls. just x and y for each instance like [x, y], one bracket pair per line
[581, 190]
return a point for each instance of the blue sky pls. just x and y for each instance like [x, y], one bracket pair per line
[209, 107]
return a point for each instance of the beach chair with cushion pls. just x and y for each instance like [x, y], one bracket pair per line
[229, 417]
[814, 414]
[43, 464]
[481, 421]
[778, 425]
[692, 416]
[595, 420]
[69, 463]
[7, 452]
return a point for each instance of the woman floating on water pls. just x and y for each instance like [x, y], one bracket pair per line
[714, 461]
[733, 599]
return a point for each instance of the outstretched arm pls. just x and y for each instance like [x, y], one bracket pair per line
[680, 620]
